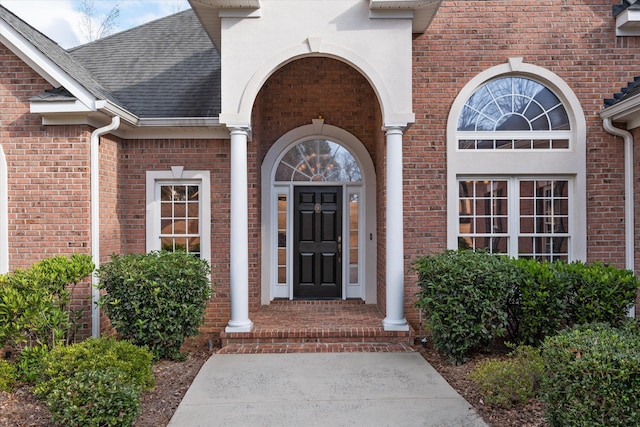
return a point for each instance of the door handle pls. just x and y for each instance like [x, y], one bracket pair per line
[340, 247]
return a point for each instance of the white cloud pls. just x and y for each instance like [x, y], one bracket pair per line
[60, 19]
[56, 19]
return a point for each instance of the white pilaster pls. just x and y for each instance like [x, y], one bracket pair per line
[395, 320]
[239, 321]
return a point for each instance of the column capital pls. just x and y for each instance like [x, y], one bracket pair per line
[394, 129]
[239, 129]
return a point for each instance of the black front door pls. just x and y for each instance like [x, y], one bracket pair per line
[317, 266]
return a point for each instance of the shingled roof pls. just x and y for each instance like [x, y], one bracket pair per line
[632, 88]
[167, 68]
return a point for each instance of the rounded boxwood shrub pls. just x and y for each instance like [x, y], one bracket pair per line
[463, 294]
[94, 399]
[132, 363]
[593, 376]
[155, 299]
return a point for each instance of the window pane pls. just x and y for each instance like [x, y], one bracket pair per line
[180, 218]
[507, 105]
[282, 238]
[318, 160]
[354, 202]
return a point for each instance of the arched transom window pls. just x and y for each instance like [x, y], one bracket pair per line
[318, 160]
[516, 165]
[513, 113]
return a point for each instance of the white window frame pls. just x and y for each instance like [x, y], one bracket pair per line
[532, 164]
[513, 208]
[178, 176]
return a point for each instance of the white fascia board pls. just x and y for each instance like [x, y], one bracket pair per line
[53, 107]
[627, 111]
[173, 132]
[42, 65]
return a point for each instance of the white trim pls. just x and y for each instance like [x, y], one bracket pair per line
[531, 163]
[4, 214]
[41, 64]
[368, 260]
[201, 177]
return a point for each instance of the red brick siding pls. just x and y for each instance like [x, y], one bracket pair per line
[48, 177]
[574, 39]
[139, 156]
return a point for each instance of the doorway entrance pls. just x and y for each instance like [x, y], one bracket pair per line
[317, 251]
[319, 217]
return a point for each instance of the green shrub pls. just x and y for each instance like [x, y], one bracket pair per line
[7, 375]
[29, 363]
[513, 381]
[132, 363]
[593, 376]
[34, 303]
[597, 292]
[156, 299]
[463, 294]
[94, 398]
[537, 306]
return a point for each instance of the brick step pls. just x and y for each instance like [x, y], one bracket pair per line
[316, 336]
[350, 347]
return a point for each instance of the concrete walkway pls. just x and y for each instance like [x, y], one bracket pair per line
[322, 389]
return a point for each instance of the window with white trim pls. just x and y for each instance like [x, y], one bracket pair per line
[516, 165]
[516, 216]
[179, 212]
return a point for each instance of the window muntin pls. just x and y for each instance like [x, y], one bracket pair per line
[318, 160]
[540, 216]
[513, 113]
[180, 217]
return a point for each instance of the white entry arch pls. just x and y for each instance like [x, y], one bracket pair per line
[364, 287]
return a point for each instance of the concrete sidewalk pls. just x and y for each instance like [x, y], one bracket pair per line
[322, 389]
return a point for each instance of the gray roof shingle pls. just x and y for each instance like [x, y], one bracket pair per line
[165, 68]
[632, 88]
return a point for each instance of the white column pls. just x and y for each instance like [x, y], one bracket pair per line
[239, 265]
[395, 320]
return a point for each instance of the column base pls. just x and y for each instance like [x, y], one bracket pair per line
[395, 325]
[239, 326]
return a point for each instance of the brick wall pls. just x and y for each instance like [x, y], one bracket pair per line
[136, 157]
[48, 177]
[574, 39]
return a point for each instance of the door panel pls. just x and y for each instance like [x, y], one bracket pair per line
[317, 266]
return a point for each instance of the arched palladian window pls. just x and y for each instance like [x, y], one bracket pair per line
[318, 160]
[513, 113]
[516, 165]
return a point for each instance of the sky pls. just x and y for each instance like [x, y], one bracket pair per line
[61, 20]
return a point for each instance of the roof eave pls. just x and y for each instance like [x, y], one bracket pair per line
[625, 111]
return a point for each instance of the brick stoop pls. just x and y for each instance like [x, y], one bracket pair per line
[314, 327]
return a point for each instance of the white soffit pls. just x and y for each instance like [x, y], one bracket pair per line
[423, 11]
[209, 13]
[626, 111]
[628, 22]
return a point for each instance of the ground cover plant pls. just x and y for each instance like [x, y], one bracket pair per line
[155, 299]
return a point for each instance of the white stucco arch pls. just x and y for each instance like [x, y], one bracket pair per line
[392, 112]
[318, 130]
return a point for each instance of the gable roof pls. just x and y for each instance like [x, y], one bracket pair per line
[55, 54]
[167, 68]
